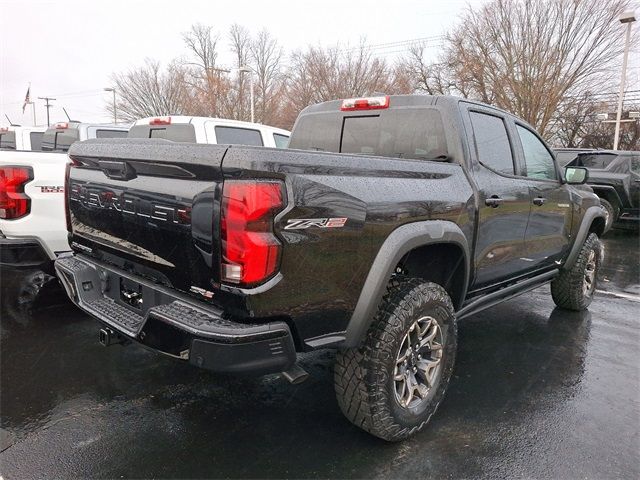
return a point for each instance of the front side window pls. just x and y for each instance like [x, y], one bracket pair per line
[36, 140]
[281, 141]
[538, 160]
[492, 142]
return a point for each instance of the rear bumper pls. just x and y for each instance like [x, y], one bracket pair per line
[173, 323]
[19, 253]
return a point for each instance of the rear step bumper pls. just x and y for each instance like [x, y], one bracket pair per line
[173, 323]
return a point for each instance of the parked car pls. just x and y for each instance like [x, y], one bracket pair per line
[209, 130]
[21, 138]
[33, 229]
[387, 221]
[59, 137]
[564, 156]
[615, 177]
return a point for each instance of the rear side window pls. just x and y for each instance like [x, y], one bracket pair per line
[635, 165]
[282, 141]
[8, 140]
[111, 133]
[181, 132]
[537, 158]
[492, 142]
[36, 140]
[403, 133]
[238, 136]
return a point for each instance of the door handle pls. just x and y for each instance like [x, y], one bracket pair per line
[539, 201]
[493, 201]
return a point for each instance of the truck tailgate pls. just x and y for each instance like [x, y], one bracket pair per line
[149, 207]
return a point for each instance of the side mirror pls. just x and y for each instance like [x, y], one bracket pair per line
[576, 175]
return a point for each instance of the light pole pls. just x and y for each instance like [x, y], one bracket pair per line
[628, 18]
[115, 114]
[250, 72]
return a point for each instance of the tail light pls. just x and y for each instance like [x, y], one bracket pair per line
[61, 125]
[250, 250]
[14, 203]
[367, 103]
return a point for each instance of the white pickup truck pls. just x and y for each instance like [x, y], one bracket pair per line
[21, 138]
[210, 130]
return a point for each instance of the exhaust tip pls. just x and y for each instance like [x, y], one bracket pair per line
[295, 375]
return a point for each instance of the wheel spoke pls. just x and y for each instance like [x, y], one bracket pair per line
[418, 361]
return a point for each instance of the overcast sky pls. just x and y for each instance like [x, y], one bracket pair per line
[68, 49]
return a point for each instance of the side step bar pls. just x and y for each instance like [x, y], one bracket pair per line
[505, 293]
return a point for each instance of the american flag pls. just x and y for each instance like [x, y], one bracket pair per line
[27, 99]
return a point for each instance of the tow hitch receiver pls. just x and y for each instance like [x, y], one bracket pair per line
[109, 337]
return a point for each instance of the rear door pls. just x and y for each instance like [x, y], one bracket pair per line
[503, 202]
[549, 228]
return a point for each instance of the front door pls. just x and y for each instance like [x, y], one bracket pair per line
[548, 232]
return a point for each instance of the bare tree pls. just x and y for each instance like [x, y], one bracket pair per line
[527, 55]
[424, 76]
[267, 61]
[149, 91]
[319, 74]
[205, 77]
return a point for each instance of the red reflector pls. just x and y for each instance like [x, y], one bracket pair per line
[367, 103]
[14, 203]
[250, 250]
[160, 121]
[61, 125]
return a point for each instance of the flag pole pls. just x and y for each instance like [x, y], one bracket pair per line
[33, 108]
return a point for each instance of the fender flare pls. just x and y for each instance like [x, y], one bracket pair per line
[607, 188]
[398, 243]
[589, 216]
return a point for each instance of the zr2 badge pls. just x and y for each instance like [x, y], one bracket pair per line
[304, 223]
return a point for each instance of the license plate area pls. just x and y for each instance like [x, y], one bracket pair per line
[131, 293]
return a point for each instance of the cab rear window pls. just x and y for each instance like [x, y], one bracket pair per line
[238, 136]
[183, 132]
[59, 140]
[416, 133]
[597, 161]
[106, 133]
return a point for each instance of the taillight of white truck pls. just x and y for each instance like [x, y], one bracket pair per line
[14, 202]
[250, 250]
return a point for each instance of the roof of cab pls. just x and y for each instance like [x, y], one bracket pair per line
[200, 121]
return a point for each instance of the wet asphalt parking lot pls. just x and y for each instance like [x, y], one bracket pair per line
[537, 392]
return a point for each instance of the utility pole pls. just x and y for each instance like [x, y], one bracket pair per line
[115, 114]
[245, 69]
[628, 18]
[47, 106]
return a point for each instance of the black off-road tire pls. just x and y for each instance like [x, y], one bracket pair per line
[363, 376]
[567, 289]
[612, 214]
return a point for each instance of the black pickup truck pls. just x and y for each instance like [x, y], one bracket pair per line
[388, 220]
[615, 177]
